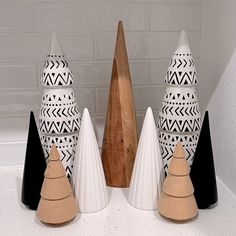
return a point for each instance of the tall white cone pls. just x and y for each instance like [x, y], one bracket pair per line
[88, 177]
[148, 172]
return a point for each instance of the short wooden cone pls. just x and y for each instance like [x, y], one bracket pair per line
[177, 201]
[120, 134]
[148, 171]
[88, 177]
[34, 167]
[57, 204]
[203, 171]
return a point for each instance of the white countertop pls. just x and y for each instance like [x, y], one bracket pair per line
[119, 218]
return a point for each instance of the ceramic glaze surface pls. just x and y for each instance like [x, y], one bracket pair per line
[59, 119]
[179, 116]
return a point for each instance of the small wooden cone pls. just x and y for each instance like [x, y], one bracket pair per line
[57, 204]
[120, 134]
[177, 201]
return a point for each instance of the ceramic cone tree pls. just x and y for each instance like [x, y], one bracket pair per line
[34, 167]
[177, 201]
[120, 134]
[148, 174]
[59, 115]
[88, 177]
[179, 117]
[203, 171]
[57, 204]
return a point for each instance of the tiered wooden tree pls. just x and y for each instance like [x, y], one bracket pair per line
[120, 134]
[57, 204]
[179, 117]
[88, 177]
[148, 172]
[203, 171]
[177, 201]
[34, 167]
[59, 114]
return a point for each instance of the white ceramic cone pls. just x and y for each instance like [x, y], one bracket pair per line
[88, 177]
[148, 173]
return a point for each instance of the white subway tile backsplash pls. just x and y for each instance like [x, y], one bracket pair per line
[35, 46]
[19, 75]
[19, 102]
[86, 30]
[175, 17]
[148, 96]
[102, 99]
[158, 69]
[15, 17]
[145, 45]
[76, 17]
[85, 97]
[98, 73]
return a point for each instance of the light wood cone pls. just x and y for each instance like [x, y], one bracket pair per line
[177, 201]
[57, 204]
[120, 134]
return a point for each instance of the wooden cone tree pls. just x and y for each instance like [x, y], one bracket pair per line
[120, 134]
[34, 167]
[203, 170]
[177, 201]
[57, 204]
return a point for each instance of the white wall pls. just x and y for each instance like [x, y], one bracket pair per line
[86, 30]
[218, 63]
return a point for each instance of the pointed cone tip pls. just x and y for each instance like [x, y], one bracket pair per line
[54, 155]
[183, 39]
[179, 151]
[86, 114]
[55, 48]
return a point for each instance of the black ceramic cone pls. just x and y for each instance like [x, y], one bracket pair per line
[34, 167]
[203, 171]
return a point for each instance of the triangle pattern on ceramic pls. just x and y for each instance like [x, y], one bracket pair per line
[148, 172]
[56, 70]
[203, 170]
[34, 167]
[181, 70]
[88, 178]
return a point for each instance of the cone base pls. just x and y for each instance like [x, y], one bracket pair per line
[57, 212]
[178, 209]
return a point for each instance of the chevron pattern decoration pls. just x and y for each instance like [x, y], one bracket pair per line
[167, 145]
[69, 142]
[56, 72]
[60, 118]
[179, 116]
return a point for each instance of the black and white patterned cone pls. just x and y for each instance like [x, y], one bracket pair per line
[60, 118]
[179, 117]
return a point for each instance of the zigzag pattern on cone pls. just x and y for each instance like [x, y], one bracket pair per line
[57, 127]
[179, 117]
[181, 125]
[181, 78]
[59, 119]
